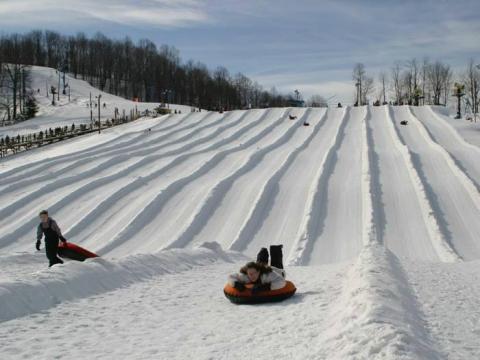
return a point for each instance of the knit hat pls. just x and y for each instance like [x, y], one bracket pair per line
[262, 256]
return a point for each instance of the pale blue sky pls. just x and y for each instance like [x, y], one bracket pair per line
[304, 44]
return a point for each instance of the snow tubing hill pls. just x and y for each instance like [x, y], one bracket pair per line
[246, 296]
[74, 252]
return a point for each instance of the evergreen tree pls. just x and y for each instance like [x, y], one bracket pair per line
[31, 107]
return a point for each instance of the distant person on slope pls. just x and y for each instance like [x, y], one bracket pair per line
[50, 229]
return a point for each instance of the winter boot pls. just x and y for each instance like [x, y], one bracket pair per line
[276, 256]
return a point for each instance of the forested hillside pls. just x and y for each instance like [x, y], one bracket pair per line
[139, 70]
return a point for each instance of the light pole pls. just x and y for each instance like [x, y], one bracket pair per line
[91, 112]
[58, 92]
[99, 122]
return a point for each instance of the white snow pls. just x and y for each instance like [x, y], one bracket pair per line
[379, 224]
[78, 280]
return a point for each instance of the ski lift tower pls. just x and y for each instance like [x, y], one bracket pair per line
[297, 95]
[166, 97]
[458, 92]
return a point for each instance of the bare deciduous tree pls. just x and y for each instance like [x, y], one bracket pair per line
[471, 79]
[439, 78]
[363, 83]
[396, 82]
[383, 82]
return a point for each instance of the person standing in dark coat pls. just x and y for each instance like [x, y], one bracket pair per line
[49, 228]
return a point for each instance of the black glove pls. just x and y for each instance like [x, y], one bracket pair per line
[261, 287]
[37, 245]
[239, 286]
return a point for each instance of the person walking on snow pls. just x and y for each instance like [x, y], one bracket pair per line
[49, 228]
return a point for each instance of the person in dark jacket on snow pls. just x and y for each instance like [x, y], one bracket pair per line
[49, 228]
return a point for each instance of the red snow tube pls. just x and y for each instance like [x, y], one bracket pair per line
[74, 252]
[246, 296]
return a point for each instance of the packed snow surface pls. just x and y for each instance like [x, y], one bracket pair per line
[379, 224]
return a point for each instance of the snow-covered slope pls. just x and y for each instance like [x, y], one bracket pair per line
[65, 112]
[376, 220]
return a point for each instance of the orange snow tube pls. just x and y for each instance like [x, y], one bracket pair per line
[246, 296]
[74, 252]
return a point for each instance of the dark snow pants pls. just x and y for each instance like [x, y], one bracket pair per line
[276, 256]
[51, 248]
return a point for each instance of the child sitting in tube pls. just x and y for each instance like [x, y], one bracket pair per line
[260, 274]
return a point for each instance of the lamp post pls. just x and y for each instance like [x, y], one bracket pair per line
[58, 89]
[91, 112]
[99, 121]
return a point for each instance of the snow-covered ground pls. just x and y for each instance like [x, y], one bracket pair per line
[379, 224]
[65, 112]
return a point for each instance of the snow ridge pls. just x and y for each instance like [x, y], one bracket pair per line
[315, 212]
[218, 192]
[90, 185]
[154, 206]
[376, 315]
[372, 214]
[144, 180]
[443, 248]
[369, 233]
[465, 180]
[265, 198]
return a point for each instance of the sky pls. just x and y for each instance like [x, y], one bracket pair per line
[307, 45]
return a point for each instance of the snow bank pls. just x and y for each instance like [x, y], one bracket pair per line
[440, 109]
[377, 315]
[78, 280]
